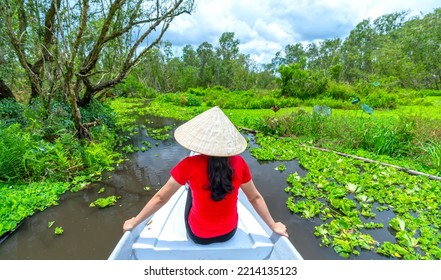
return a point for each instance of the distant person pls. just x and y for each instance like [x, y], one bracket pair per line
[214, 175]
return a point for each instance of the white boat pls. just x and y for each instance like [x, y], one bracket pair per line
[163, 237]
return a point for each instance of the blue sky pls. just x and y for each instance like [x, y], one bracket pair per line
[264, 27]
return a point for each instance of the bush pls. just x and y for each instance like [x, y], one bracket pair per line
[430, 92]
[96, 110]
[14, 144]
[298, 82]
[391, 140]
[192, 100]
[381, 99]
[339, 91]
[196, 91]
[11, 111]
[330, 102]
[25, 157]
[132, 87]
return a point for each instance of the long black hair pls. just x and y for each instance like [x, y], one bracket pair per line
[220, 176]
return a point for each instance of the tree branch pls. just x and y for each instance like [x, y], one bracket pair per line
[131, 58]
[93, 56]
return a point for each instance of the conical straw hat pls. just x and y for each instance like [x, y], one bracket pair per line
[211, 133]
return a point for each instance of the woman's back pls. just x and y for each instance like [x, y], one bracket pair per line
[209, 218]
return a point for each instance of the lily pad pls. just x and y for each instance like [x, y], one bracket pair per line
[367, 109]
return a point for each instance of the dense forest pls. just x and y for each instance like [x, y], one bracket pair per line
[395, 49]
[74, 52]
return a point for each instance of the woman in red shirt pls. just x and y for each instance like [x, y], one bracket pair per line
[214, 176]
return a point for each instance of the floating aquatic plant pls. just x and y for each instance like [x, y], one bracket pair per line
[346, 194]
[104, 202]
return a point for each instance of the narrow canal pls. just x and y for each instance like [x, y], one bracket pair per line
[91, 233]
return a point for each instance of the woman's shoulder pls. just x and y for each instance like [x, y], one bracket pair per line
[196, 158]
[238, 159]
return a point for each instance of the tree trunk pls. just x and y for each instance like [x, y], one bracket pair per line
[83, 132]
[5, 91]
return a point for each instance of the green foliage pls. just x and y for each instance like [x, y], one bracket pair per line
[429, 92]
[159, 133]
[19, 201]
[238, 99]
[132, 87]
[281, 167]
[300, 83]
[11, 111]
[395, 137]
[42, 150]
[104, 202]
[25, 157]
[14, 145]
[431, 152]
[98, 157]
[382, 139]
[327, 192]
[328, 102]
[312, 126]
[339, 91]
[96, 110]
[381, 99]
[58, 231]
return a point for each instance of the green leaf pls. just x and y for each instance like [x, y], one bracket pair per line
[397, 224]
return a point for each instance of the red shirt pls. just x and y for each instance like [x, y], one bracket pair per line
[209, 218]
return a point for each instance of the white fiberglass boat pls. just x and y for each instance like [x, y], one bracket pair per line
[163, 237]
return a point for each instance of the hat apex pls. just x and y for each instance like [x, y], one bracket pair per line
[211, 133]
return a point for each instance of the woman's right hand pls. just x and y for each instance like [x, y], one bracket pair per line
[281, 229]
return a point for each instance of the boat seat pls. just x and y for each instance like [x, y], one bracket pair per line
[164, 237]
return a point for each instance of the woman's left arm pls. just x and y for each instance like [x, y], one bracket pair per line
[154, 204]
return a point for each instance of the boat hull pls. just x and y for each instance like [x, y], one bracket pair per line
[163, 237]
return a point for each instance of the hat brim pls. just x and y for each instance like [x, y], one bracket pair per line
[211, 133]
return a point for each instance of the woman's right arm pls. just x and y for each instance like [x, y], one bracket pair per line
[259, 204]
[154, 204]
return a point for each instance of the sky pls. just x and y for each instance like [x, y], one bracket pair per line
[265, 27]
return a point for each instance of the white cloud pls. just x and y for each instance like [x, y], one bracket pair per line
[264, 27]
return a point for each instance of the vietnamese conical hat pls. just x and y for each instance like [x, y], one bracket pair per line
[211, 133]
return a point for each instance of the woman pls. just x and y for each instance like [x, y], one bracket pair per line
[214, 175]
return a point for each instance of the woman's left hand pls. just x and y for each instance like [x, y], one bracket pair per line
[130, 224]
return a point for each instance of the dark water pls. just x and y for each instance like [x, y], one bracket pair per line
[92, 233]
